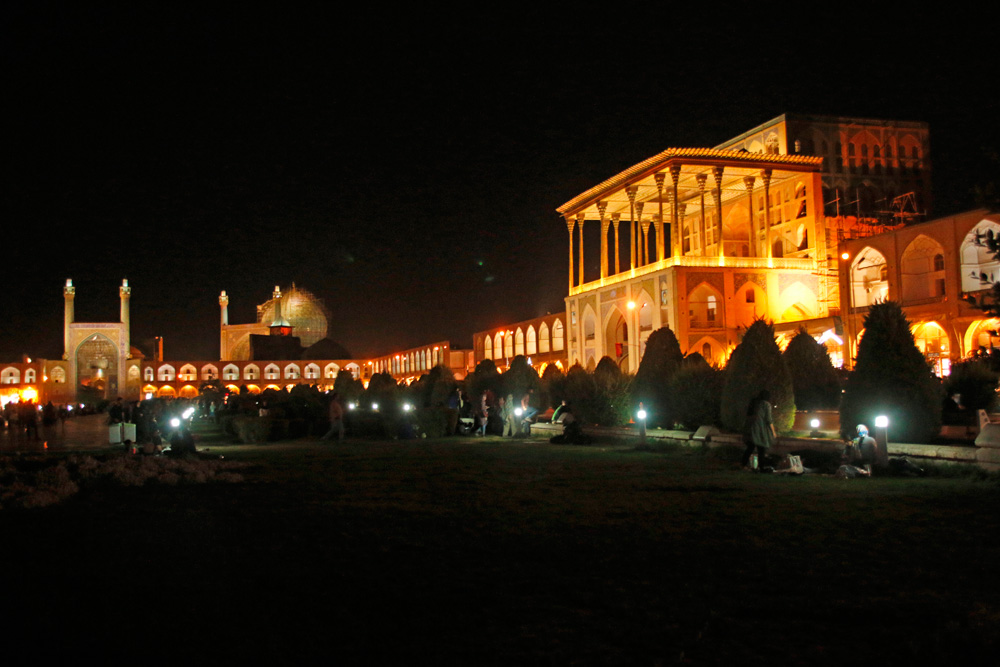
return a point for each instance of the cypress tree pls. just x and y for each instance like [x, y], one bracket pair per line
[891, 378]
[813, 377]
[652, 385]
[696, 390]
[757, 364]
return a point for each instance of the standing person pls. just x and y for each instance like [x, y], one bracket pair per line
[758, 431]
[484, 413]
[336, 419]
[28, 416]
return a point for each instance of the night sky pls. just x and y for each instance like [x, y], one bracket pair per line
[404, 167]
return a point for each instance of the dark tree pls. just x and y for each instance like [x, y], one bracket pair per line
[613, 404]
[891, 378]
[814, 378]
[349, 387]
[975, 383]
[520, 378]
[553, 385]
[581, 393]
[652, 384]
[696, 389]
[757, 364]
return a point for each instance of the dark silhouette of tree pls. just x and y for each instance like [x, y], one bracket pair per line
[757, 364]
[814, 378]
[891, 378]
[652, 385]
[696, 391]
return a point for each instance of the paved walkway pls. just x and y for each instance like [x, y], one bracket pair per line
[78, 433]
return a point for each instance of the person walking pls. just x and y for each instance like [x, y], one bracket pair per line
[758, 431]
[336, 419]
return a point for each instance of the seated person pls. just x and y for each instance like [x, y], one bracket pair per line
[861, 450]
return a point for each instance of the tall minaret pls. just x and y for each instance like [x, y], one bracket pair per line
[125, 292]
[69, 294]
[224, 322]
[280, 326]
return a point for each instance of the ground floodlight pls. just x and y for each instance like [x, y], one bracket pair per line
[881, 421]
[175, 422]
[518, 412]
[407, 407]
[814, 423]
[374, 406]
[642, 414]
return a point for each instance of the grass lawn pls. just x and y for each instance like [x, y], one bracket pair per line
[499, 552]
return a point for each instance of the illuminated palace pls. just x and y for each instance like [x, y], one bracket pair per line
[705, 240]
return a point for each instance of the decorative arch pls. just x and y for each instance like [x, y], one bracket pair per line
[487, 347]
[272, 372]
[230, 372]
[59, 375]
[712, 350]
[933, 341]
[166, 373]
[353, 369]
[253, 389]
[232, 389]
[979, 335]
[797, 302]
[921, 277]
[869, 278]
[331, 370]
[251, 372]
[209, 372]
[979, 268]
[187, 373]
[10, 375]
[531, 341]
[498, 345]
[558, 336]
[166, 391]
[292, 372]
[705, 307]
[543, 338]
[616, 338]
[187, 391]
[312, 371]
[749, 304]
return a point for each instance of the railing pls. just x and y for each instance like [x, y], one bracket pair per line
[788, 263]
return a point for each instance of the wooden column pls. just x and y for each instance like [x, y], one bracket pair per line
[701, 178]
[675, 232]
[579, 219]
[641, 234]
[717, 196]
[631, 190]
[570, 224]
[602, 206]
[766, 177]
[659, 177]
[748, 182]
[681, 215]
[615, 219]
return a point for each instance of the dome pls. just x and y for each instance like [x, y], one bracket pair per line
[307, 314]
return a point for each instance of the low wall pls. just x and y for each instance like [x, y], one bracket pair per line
[984, 457]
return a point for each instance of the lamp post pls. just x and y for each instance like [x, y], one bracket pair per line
[882, 455]
[641, 414]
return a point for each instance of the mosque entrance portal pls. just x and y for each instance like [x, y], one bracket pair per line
[97, 367]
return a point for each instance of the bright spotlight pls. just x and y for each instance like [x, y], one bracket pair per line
[407, 407]
[374, 406]
[187, 413]
[642, 414]
[814, 423]
[175, 422]
[881, 421]
[518, 412]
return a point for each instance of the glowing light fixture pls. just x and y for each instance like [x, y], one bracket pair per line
[814, 423]
[641, 414]
[407, 407]
[881, 421]
[175, 422]
[845, 255]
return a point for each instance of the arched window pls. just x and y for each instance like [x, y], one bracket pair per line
[498, 346]
[272, 372]
[209, 372]
[558, 336]
[933, 341]
[312, 371]
[920, 280]
[543, 338]
[29, 375]
[979, 268]
[705, 307]
[251, 372]
[869, 278]
[59, 374]
[147, 373]
[508, 345]
[331, 370]
[230, 372]
[166, 373]
[519, 341]
[188, 373]
[10, 375]
[487, 347]
[532, 341]
[292, 372]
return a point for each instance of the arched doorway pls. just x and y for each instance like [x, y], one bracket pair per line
[616, 339]
[97, 366]
[934, 343]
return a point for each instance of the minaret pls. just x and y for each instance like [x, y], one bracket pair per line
[69, 294]
[223, 323]
[125, 292]
[280, 326]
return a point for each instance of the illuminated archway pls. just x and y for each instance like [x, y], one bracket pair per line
[187, 391]
[869, 278]
[980, 336]
[616, 338]
[166, 391]
[979, 268]
[932, 340]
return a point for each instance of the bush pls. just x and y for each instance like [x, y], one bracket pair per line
[553, 386]
[757, 364]
[814, 378]
[432, 422]
[696, 388]
[252, 430]
[891, 378]
[652, 384]
[976, 384]
[612, 401]
[580, 392]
